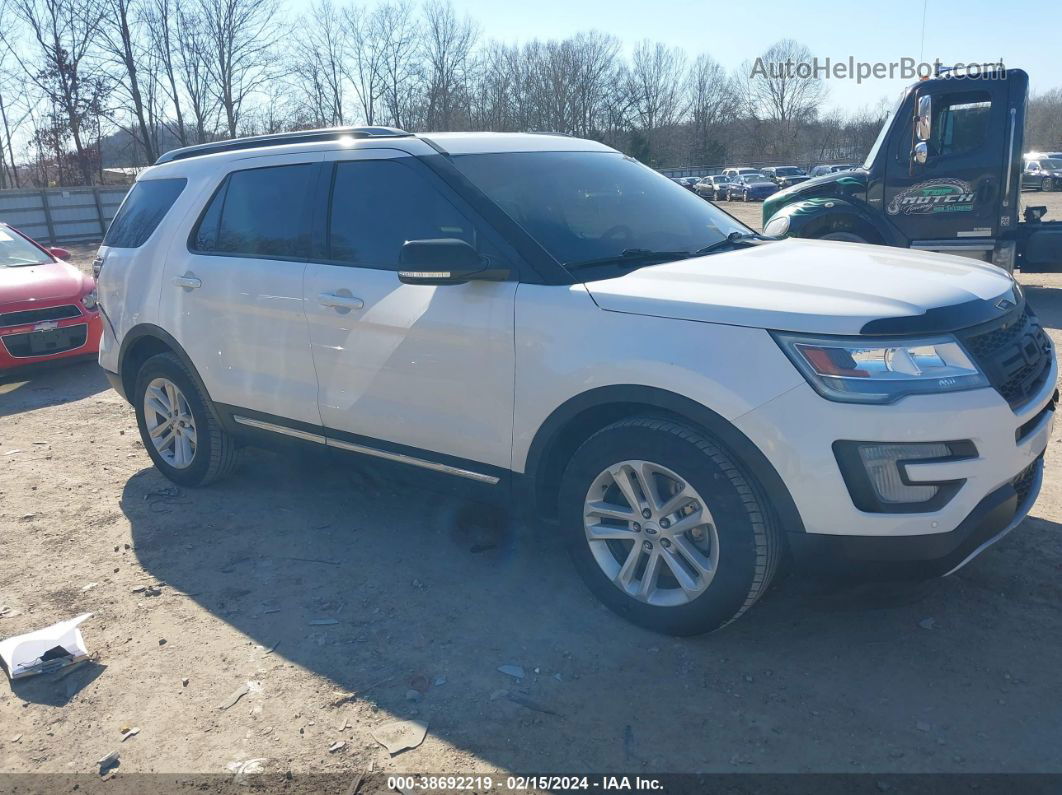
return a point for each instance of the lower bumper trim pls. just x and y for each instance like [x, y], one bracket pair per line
[923, 556]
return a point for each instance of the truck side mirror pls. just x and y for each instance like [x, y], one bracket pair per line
[921, 152]
[923, 121]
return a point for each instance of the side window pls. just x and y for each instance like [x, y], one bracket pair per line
[961, 123]
[144, 208]
[259, 212]
[377, 205]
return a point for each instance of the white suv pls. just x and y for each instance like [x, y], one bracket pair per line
[547, 321]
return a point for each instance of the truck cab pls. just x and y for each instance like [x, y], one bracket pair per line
[944, 174]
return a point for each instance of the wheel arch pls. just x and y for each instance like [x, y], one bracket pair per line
[142, 342]
[814, 218]
[583, 415]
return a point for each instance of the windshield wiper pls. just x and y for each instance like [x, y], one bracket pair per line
[733, 239]
[628, 256]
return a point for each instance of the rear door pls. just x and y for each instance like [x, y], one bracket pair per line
[419, 371]
[234, 289]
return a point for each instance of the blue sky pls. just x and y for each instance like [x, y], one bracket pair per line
[1019, 32]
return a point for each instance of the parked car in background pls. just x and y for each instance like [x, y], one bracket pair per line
[784, 176]
[686, 182]
[750, 187]
[819, 171]
[1042, 173]
[713, 187]
[47, 306]
[734, 172]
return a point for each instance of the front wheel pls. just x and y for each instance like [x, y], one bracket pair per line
[1047, 184]
[181, 434]
[847, 237]
[666, 528]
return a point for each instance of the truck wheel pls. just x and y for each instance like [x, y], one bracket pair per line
[665, 527]
[848, 237]
[181, 434]
[1047, 184]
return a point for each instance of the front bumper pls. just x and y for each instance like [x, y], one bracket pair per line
[796, 432]
[68, 338]
[924, 556]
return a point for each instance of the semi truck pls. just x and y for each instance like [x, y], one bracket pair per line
[944, 174]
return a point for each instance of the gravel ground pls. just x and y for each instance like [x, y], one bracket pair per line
[297, 583]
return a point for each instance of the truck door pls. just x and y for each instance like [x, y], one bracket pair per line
[943, 182]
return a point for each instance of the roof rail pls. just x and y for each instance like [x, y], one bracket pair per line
[280, 139]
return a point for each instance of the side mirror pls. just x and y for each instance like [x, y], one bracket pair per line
[921, 152]
[59, 253]
[923, 121]
[444, 260]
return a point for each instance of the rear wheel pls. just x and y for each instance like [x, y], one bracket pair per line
[665, 527]
[1047, 184]
[181, 434]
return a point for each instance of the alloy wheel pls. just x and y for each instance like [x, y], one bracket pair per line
[170, 423]
[651, 533]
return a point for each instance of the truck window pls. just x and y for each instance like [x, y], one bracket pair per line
[961, 123]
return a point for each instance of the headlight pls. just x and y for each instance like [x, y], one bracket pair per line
[777, 227]
[89, 299]
[856, 370]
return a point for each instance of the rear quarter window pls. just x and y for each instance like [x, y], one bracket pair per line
[144, 207]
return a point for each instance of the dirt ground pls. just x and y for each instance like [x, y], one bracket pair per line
[296, 584]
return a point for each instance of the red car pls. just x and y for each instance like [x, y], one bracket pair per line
[47, 306]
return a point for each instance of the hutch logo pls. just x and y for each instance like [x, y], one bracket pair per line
[935, 196]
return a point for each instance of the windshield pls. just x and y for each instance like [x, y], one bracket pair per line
[15, 251]
[1051, 164]
[582, 206]
[787, 172]
[873, 153]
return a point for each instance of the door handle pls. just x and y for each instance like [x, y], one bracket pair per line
[188, 281]
[340, 301]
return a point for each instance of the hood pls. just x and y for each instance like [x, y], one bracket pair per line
[813, 286]
[53, 280]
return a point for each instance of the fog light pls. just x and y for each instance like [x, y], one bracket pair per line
[880, 461]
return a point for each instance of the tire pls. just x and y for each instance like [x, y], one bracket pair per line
[847, 237]
[1046, 184]
[729, 527]
[214, 452]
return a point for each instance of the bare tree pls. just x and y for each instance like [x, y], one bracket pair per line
[778, 87]
[393, 24]
[366, 44]
[1043, 124]
[447, 46]
[655, 82]
[127, 42]
[59, 64]
[238, 38]
[320, 65]
[711, 101]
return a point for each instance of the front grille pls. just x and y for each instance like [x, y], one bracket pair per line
[1023, 483]
[1014, 353]
[45, 343]
[9, 319]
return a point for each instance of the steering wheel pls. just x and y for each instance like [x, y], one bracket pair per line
[620, 231]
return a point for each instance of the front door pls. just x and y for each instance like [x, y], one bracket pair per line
[955, 194]
[424, 372]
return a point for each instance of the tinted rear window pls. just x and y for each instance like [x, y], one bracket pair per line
[258, 212]
[144, 207]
